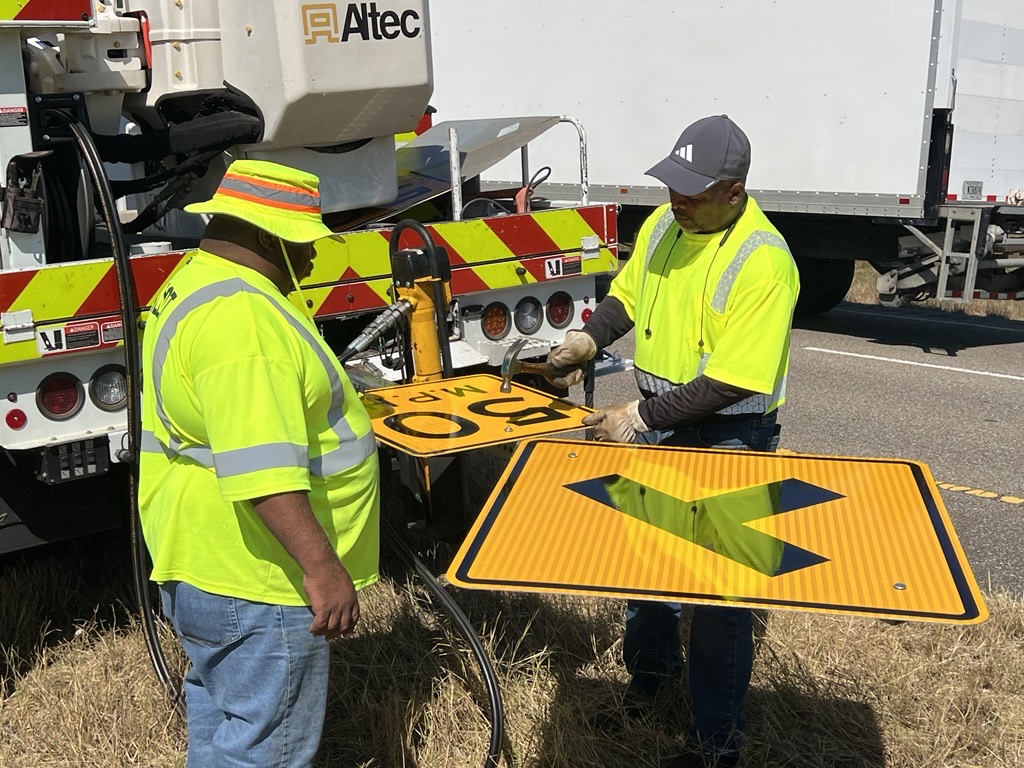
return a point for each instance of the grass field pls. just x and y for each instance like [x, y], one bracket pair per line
[827, 691]
[76, 688]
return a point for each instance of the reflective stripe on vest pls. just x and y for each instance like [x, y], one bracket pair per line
[754, 241]
[351, 451]
[755, 404]
[660, 228]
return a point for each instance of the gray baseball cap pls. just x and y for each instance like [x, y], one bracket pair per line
[711, 149]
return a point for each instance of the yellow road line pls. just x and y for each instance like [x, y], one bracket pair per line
[980, 493]
[965, 489]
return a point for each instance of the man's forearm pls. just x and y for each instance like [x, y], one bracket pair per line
[609, 322]
[289, 517]
[692, 402]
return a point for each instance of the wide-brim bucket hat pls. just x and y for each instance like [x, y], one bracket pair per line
[280, 200]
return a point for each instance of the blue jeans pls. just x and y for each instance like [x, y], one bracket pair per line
[256, 692]
[721, 648]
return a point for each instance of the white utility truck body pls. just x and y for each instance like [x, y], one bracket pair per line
[849, 109]
[114, 116]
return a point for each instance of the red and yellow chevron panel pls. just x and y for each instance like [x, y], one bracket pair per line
[353, 273]
[350, 275]
[63, 11]
[61, 293]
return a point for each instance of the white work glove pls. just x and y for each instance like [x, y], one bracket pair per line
[568, 358]
[617, 424]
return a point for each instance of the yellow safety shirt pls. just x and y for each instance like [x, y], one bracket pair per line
[243, 399]
[720, 304]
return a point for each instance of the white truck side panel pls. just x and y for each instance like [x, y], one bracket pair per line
[836, 97]
[988, 139]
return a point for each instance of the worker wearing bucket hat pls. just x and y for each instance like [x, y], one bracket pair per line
[259, 484]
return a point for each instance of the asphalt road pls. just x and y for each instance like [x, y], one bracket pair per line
[940, 388]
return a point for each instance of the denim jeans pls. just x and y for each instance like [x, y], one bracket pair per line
[256, 692]
[721, 647]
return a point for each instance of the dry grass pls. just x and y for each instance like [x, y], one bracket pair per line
[827, 691]
[863, 292]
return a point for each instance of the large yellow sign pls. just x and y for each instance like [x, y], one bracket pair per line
[452, 415]
[840, 535]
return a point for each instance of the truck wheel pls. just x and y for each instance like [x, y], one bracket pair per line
[823, 284]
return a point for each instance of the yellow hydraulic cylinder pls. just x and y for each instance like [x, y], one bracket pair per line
[424, 333]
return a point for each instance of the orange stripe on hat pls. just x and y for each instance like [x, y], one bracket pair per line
[272, 184]
[268, 202]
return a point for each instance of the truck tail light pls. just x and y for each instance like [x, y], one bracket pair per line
[560, 309]
[528, 315]
[59, 396]
[496, 321]
[109, 388]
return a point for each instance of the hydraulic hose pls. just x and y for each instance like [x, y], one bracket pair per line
[465, 629]
[129, 309]
[383, 323]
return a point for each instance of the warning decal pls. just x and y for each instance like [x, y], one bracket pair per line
[567, 266]
[13, 117]
[75, 337]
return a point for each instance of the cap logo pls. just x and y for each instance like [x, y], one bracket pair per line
[686, 153]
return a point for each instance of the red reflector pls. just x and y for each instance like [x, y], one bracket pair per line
[951, 197]
[585, 314]
[904, 201]
[59, 396]
[990, 198]
[16, 419]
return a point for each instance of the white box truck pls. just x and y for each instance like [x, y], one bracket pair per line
[891, 132]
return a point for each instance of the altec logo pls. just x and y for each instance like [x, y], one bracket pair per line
[686, 153]
[320, 21]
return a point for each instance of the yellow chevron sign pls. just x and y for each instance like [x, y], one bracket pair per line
[452, 415]
[838, 535]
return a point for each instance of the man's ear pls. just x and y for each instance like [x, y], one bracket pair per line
[736, 193]
[266, 240]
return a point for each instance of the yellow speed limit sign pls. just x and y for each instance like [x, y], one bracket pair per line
[452, 415]
[815, 533]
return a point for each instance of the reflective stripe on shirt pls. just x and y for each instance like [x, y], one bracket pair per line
[755, 404]
[754, 241]
[660, 228]
[351, 450]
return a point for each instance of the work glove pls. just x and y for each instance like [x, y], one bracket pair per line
[617, 424]
[566, 361]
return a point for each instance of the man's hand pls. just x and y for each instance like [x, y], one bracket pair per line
[566, 361]
[617, 424]
[563, 377]
[332, 596]
[578, 348]
[333, 600]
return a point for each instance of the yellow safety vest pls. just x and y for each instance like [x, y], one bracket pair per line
[243, 399]
[720, 304]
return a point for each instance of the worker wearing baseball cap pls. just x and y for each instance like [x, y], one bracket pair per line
[259, 485]
[709, 293]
